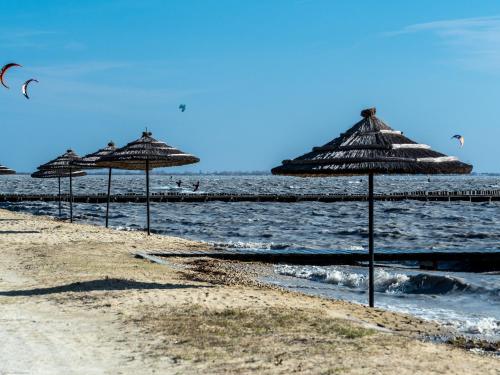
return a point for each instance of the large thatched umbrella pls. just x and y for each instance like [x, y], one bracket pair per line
[371, 147]
[89, 162]
[5, 170]
[145, 154]
[63, 164]
[57, 173]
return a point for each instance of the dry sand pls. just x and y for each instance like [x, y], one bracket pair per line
[74, 300]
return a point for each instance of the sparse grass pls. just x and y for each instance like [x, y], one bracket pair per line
[197, 333]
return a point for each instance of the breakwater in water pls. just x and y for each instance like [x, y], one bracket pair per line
[466, 195]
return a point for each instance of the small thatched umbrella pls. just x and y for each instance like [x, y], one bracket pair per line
[57, 173]
[371, 147]
[5, 170]
[89, 162]
[145, 154]
[63, 164]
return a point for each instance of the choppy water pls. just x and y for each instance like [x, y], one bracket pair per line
[469, 302]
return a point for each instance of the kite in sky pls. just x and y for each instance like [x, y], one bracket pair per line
[182, 107]
[4, 70]
[24, 88]
[460, 139]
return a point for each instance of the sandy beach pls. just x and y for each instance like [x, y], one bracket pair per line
[75, 300]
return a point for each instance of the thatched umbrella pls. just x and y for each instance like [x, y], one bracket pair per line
[63, 164]
[5, 170]
[57, 173]
[89, 162]
[145, 154]
[371, 147]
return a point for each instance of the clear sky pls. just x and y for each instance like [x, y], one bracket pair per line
[262, 80]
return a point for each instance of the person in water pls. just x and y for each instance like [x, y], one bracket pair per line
[179, 183]
[196, 186]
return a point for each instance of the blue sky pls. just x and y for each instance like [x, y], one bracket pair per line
[263, 80]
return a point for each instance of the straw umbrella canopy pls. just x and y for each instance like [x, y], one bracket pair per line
[63, 164]
[57, 173]
[371, 147]
[145, 154]
[89, 162]
[5, 170]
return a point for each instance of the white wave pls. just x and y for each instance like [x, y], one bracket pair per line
[487, 328]
[484, 326]
[387, 282]
[249, 245]
[355, 247]
[125, 228]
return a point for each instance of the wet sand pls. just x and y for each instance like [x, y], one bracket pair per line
[75, 300]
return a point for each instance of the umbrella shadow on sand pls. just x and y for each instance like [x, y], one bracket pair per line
[98, 285]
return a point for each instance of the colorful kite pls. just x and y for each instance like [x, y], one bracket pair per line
[25, 87]
[460, 139]
[4, 70]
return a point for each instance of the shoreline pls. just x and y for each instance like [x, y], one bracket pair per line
[77, 288]
[260, 271]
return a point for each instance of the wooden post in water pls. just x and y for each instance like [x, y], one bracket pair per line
[147, 195]
[109, 197]
[371, 281]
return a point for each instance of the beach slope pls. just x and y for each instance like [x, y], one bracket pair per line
[75, 300]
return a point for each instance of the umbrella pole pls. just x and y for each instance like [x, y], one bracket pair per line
[109, 197]
[70, 196]
[59, 196]
[147, 194]
[370, 241]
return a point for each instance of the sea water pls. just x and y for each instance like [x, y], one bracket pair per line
[469, 302]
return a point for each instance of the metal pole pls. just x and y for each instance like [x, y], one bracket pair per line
[59, 183]
[109, 197]
[70, 195]
[370, 241]
[147, 194]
